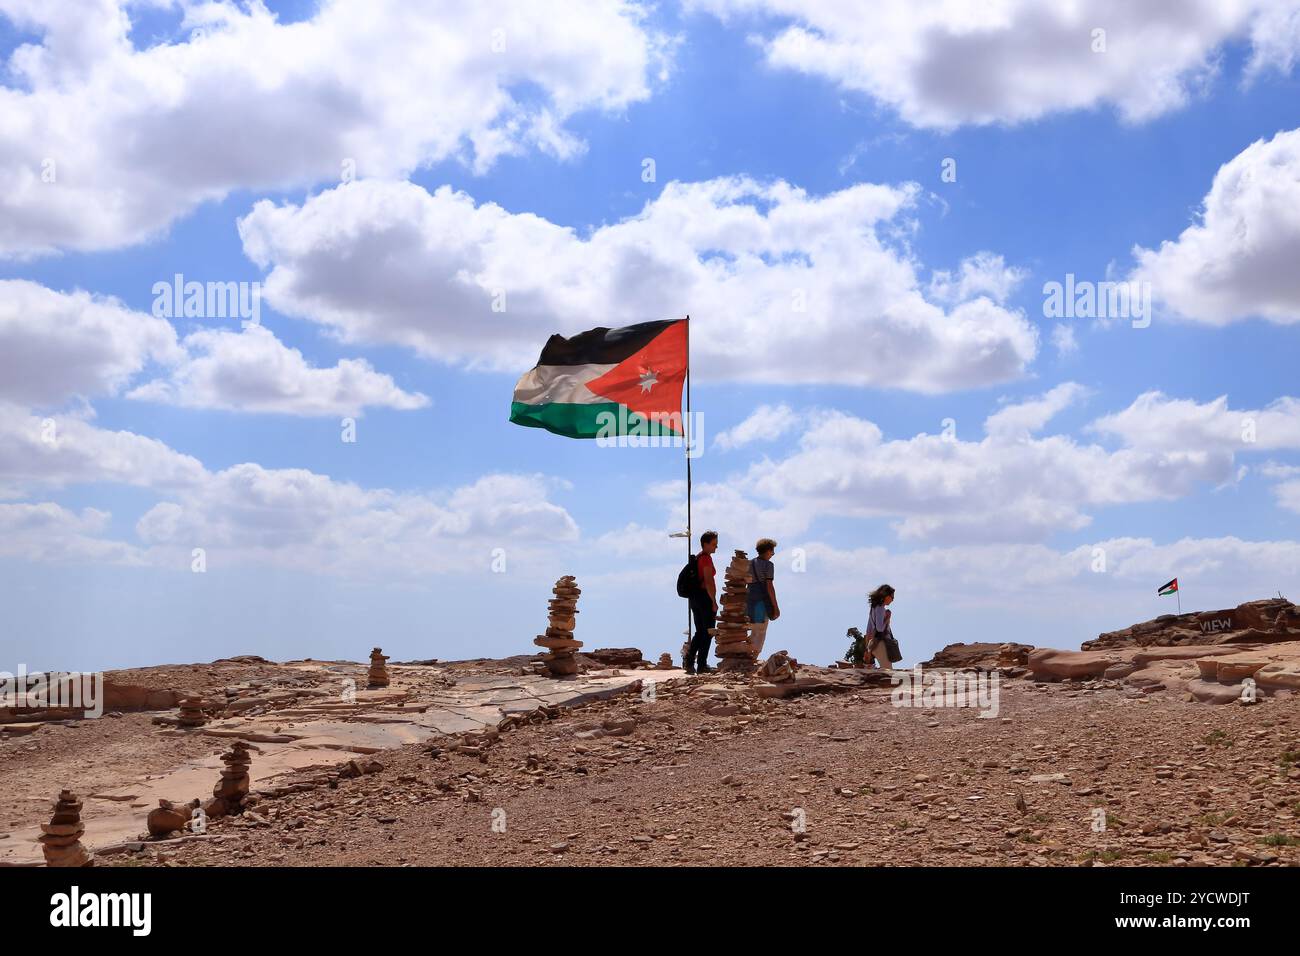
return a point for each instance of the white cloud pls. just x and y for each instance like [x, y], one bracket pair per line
[1239, 260]
[294, 518]
[766, 423]
[252, 371]
[1155, 421]
[1014, 484]
[1011, 485]
[945, 64]
[48, 532]
[103, 145]
[1063, 340]
[1272, 469]
[1035, 575]
[251, 515]
[63, 449]
[773, 278]
[1018, 421]
[55, 346]
[1288, 495]
[981, 274]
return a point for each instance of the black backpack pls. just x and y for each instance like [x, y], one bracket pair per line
[688, 578]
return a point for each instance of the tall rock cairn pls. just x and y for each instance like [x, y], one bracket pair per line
[60, 839]
[732, 633]
[378, 675]
[232, 789]
[558, 639]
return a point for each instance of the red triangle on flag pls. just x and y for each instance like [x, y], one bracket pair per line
[649, 381]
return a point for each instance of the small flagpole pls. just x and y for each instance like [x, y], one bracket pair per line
[1179, 594]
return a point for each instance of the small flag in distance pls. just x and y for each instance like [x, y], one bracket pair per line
[1168, 588]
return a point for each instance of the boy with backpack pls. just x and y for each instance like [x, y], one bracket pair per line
[696, 583]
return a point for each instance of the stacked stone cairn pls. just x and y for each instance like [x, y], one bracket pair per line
[60, 839]
[231, 792]
[378, 676]
[191, 712]
[665, 662]
[733, 648]
[558, 639]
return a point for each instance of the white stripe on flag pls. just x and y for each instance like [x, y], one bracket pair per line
[565, 384]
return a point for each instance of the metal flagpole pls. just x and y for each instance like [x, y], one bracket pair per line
[686, 431]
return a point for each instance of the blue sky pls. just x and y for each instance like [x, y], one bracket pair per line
[319, 547]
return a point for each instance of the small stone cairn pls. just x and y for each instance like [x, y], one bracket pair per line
[378, 675]
[191, 712]
[60, 839]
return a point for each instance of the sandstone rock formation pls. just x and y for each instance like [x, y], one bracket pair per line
[1262, 622]
[1048, 663]
[626, 657]
[980, 655]
[378, 674]
[1012, 655]
[779, 668]
[558, 639]
[60, 839]
[166, 818]
[665, 662]
[733, 648]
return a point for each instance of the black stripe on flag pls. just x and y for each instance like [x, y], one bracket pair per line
[601, 346]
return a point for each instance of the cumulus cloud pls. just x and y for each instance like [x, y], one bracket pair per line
[766, 423]
[953, 63]
[250, 515]
[103, 144]
[48, 532]
[984, 273]
[294, 518]
[1011, 485]
[1064, 340]
[1238, 260]
[1287, 494]
[55, 346]
[1020, 420]
[1038, 575]
[774, 279]
[1155, 420]
[252, 371]
[63, 450]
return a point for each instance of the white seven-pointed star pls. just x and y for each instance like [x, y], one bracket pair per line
[649, 379]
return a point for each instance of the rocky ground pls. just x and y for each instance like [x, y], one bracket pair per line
[1065, 775]
[1173, 750]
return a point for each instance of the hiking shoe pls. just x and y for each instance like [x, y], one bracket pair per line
[690, 671]
[706, 669]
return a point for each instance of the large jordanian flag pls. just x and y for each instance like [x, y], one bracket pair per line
[607, 382]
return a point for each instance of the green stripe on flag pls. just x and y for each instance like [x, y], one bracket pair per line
[587, 420]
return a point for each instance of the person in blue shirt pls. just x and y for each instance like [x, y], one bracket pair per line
[760, 597]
